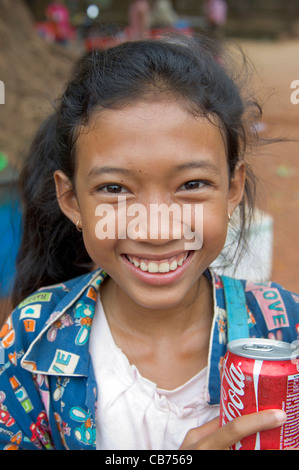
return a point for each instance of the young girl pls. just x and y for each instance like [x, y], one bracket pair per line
[116, 341]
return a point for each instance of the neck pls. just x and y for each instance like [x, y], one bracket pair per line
[195, 311]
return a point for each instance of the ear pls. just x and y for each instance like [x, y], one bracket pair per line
[236, 188]
[66, 197]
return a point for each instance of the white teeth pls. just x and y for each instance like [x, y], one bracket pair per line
[164, 268]
[174, 265]
[143, 266]
[153, 267]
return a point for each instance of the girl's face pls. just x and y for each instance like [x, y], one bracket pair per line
[151, 154]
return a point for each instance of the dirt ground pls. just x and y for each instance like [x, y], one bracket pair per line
[277, 166]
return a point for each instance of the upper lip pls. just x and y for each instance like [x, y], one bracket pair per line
[157, 256]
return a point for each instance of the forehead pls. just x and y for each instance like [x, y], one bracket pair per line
[148, 133]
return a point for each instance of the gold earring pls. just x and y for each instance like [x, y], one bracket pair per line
[77, 226]
[229, 217]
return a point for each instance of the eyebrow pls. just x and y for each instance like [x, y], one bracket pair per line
[202, 164]
[98, 171]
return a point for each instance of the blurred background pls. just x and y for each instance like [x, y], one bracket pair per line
[41, 40]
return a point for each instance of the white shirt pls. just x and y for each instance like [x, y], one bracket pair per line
[133, 413]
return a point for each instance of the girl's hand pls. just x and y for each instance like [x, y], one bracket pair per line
[211, 437]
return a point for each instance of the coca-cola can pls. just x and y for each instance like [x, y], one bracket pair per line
[261, 374]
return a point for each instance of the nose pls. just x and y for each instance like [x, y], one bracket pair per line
[155, 222]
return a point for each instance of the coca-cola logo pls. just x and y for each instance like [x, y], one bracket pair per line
[232, 389]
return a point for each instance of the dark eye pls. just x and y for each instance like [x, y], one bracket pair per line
[192, 185]
[111, 188]
[114, 188]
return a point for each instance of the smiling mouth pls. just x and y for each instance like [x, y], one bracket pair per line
[158, 266]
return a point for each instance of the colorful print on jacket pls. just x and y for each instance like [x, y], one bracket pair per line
[48, 394]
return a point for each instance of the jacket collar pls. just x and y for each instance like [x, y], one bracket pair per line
[62, 346]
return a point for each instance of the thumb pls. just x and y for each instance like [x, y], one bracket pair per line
[196, 434]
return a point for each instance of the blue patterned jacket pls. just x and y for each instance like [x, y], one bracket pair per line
[48, 394]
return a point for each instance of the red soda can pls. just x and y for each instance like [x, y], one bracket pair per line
[261, 374]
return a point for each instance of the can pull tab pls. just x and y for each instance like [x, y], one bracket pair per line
[258, 347]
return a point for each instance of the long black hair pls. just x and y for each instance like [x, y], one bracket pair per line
[193, 72]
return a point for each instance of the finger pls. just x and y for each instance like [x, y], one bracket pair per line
[196, 434]
[241, 427]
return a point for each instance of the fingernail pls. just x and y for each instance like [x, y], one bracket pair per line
[280, 417]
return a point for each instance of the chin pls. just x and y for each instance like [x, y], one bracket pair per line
[162, 298]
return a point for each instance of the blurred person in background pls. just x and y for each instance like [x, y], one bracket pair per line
[139, 19]
[215, 12]
[163, 14]
[58, 14]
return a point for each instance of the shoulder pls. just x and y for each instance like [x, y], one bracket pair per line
[265, 295]
[270, 295]
[41, 308]
[273, 310]
[278, 307]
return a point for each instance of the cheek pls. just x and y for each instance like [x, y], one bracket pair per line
[102, 252]
[215, 231]
[99, 242]
[209, 221]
